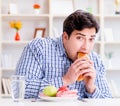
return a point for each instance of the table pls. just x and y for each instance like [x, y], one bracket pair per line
[90, 102]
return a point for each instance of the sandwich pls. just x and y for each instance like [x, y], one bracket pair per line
[79, 55]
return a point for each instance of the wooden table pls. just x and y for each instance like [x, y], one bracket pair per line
[89, 102]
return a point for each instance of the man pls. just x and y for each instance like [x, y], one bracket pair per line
[46, 61]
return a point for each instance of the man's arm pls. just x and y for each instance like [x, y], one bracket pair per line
[102, 89]
[31, 66]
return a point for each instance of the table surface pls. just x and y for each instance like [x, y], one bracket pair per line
[89, 102]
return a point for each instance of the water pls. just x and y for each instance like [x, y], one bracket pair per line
[18, 89]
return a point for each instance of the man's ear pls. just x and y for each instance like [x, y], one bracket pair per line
[65, 36]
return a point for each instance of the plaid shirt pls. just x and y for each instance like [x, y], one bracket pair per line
[44, 62]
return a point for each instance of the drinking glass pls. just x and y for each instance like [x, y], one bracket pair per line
[17, 87]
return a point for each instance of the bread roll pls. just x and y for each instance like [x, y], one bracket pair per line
[79, 55]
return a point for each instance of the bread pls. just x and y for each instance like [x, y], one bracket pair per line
[80, 78]
[79, 55]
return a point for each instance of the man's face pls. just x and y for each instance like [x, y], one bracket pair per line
[79, 41]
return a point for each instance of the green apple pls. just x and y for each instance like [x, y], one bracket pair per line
[50, 91]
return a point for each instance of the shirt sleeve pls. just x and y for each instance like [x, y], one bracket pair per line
[102, 88]
[30, 65]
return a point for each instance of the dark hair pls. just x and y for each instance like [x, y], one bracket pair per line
[79, 20]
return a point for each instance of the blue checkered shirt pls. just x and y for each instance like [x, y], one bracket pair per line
[44, 62]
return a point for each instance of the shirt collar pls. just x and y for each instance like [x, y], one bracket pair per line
[60, 47]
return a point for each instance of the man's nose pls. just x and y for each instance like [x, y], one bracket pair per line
[85, 45]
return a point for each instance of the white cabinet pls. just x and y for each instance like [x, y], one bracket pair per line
[51, 17]
[10, 50]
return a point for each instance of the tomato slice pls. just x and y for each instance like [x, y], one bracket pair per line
[63, 88]
[69, 93]
[65, 92]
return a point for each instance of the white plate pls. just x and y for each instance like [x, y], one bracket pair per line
[58, 98]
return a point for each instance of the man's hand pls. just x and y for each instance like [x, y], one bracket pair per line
[84, 67]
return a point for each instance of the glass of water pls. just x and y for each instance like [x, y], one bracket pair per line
[17, 87]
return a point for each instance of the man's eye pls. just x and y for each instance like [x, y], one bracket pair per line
[92, 39]
[79, 38]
